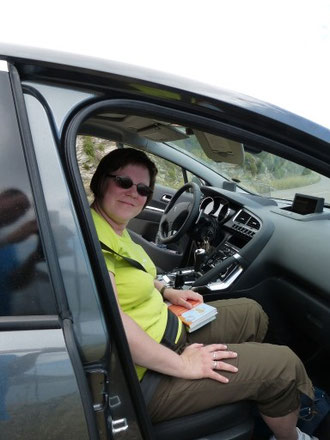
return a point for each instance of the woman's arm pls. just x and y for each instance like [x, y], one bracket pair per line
[178, 297]
[196, 362]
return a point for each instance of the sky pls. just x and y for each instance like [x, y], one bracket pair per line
[274, 50]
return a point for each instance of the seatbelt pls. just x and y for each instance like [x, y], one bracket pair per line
[134, 263]
[152, 378]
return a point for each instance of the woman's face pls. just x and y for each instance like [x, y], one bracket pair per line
[121, 204]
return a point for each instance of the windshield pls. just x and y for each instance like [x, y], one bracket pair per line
[263, 173]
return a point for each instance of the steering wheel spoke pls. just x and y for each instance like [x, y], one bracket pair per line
[179, 216]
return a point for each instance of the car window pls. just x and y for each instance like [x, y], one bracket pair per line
[25, 287]
[261, 172]
[169, 174]
[90, 150]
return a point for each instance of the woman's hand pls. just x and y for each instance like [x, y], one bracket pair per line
[180, 297]
[205, 361]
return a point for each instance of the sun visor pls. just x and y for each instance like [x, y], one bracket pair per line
[151, 129]
[162, 133]
[220, 149]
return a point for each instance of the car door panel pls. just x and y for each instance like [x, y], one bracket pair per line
[37, 374]
[38, 385]
[94, 311]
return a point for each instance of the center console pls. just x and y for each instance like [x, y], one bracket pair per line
[214, 271]
[219, 268]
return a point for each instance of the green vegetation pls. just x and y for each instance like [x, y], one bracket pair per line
[295, 181]
[101, 147]
[267, 172]
[260, 173]
[88, 147]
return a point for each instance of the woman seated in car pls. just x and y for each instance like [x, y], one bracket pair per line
[224, 361]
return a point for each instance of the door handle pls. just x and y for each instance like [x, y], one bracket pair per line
[119, 425]
[166, 198]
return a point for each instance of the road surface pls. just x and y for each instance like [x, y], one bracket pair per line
[318, 189]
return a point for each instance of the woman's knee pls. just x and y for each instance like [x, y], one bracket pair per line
[290, 369]
[293, 365]
[288, 381]
[260, 319]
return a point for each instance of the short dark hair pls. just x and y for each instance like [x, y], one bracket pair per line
[19, 204]
[117, 159]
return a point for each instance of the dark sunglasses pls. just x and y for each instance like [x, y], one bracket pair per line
[126, 183]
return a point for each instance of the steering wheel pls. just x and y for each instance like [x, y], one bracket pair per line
[178, 217]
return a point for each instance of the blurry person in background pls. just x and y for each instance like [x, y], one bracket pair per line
[14, 274]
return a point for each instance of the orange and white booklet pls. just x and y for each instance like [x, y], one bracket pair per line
[194, 318]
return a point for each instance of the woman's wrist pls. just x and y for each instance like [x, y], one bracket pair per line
[162, 290]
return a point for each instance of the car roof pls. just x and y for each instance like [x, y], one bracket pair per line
[53, 60]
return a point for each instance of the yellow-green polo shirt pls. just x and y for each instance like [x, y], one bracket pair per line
[137, 294]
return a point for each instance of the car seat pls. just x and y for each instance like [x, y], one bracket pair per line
[226, 422]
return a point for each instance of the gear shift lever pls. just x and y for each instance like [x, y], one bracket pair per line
[199, 256]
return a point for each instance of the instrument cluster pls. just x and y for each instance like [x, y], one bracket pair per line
[217, 207]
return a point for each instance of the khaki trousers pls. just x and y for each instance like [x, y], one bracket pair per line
[271, 375]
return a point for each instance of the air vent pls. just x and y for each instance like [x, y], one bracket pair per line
[253, 223]
[246, 224]
[243, 217]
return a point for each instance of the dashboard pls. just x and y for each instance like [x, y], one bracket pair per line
[248, 238]
[243, 221]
